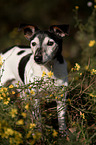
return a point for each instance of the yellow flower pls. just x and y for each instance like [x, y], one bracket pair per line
[80, 74]
[7, 93]
[8, 99]
[27, 107]
[11, 86]
[62, 95]
[20, 122]
[6, 102]
[32, 92]
[32, 125]
[92, 95]
[1, 62]
[95, 6]
[69, 100]
[91, 43]
[93, 71]
[56, 97]
[17, 139]
[50, 74]
[23, 114]
[13, 92]
[17, 84]
[72, 69]
[43, 74]
[51, 95]
[3, 89]
[4, 95]
[9, 131]
[77, 66]
[76, 7]
[30, 87]
[13, 112]
[50, 114]
[55, 133]
[34, 136]
[82, 115]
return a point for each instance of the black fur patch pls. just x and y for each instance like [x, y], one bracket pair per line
[60, 59]
[20, 52]
[22, 65]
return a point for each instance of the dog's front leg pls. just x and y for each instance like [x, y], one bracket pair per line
[61, 109]
[36, 108]
[37, 113]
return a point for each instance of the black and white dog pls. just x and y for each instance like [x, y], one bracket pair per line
[23, 64]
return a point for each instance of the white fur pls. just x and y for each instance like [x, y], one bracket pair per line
[36, 40]
[45, 41]
[11, 61]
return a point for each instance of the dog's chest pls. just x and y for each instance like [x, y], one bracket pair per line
[34, 70]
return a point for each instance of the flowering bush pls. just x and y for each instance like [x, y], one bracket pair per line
[20, 119]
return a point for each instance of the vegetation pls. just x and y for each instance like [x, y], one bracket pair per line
[86, 38]
[20, 120]
[22, 124]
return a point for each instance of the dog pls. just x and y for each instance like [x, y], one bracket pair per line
[23, 64]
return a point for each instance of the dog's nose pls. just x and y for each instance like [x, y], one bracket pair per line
[38, 58]
[38, 55]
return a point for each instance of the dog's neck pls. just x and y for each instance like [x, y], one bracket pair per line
[60, 58]
[50, 64]
[58, 55]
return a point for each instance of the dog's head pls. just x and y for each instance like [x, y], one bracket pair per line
[46, 45]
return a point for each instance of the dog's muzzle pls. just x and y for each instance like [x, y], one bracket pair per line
[38, 56]
[38, 59]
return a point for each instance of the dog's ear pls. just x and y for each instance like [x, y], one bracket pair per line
[60, 30]
[29, 30]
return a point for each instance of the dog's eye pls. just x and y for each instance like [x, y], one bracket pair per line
[33, 43]
[50, 43]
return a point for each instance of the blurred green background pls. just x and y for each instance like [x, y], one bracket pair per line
[42, 13]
